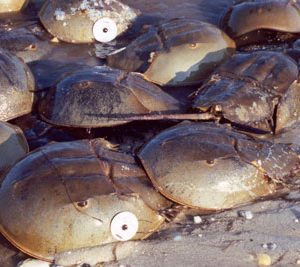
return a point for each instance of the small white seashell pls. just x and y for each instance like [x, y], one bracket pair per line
[247, 214]
[177, 238]
[197, 219]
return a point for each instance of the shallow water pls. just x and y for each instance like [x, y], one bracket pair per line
[156, 10]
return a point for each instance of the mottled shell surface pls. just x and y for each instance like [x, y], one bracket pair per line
[103, 97]
[247, 88]
[288, 111]
[16, 86]
[290, 135]
[13, 145]
[279, 15]
[65, 195]
[73, 20]
[24, 41]
[209, 167]
[180, 52]
[12, 5]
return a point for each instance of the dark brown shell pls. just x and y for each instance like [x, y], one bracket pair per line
[66, 194]
[48, 73]
[247, 88]
[279, 15]
[17, 84]
[209, 167]
[28, 42]
[102, 97]
[179, 52]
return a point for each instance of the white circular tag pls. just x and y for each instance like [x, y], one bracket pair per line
[124, 226]
[105, 30]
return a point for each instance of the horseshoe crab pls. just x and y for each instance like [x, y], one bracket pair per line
[210, 167]
[12, 5]
[17, 84]
[13, 145]
[77, 195]
[84, 21]
[48, 73]
[253, 90]
[179, 52]
[101, 96]
[248, 16]
[25, 41]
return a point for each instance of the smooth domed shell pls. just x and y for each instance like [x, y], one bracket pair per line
[67, 194]
[101, 96]
[199, 166]
[48, 73]
[279, 15]
[180, 52]
[12, 5]
[73, 20]
[16, 86]
[13, 145]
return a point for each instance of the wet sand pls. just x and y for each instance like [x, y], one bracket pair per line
[226, 239]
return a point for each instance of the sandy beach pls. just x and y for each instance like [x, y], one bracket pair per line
[227, 239]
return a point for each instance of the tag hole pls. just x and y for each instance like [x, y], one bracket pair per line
[82, 204]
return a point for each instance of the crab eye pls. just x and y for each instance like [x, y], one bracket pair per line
[105, 30]
[124, 226]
